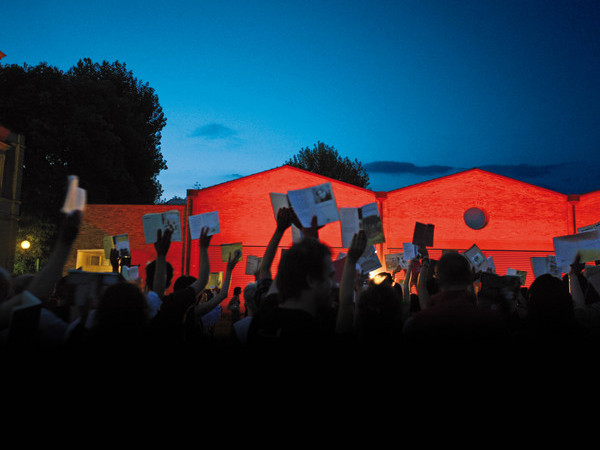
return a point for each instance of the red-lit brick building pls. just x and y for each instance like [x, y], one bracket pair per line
[508, 219]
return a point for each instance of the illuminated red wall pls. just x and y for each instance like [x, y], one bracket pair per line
[246, 215]
[110, 220]
[587, 209]
[522, 218]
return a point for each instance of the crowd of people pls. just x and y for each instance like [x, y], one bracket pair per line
[297, 306]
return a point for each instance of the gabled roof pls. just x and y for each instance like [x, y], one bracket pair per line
[477, 170]
[277, 169]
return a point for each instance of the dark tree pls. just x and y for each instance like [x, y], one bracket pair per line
[96, 121]
[325, 160]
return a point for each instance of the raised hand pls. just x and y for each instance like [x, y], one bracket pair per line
[69, 227]
[577, 265]
[313, 230]
[163, 241]
[233, 259]
[285, 218]
[357, 246]
[205, 238]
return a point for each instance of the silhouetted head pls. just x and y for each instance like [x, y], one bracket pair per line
[121, 314]
[378, 311]
[150, 268]
[453, 272]
[549, 302]
[237, 290]
[306, 266]
[182, 282]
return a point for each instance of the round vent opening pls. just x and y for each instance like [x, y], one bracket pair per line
[475, 218]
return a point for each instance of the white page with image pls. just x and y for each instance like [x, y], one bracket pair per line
[316, 201]
[208, 220]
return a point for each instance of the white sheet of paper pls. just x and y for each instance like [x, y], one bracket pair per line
[208, 220]
[566, 248]
[316, 201]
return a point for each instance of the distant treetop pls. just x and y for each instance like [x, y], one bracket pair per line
[325, 160]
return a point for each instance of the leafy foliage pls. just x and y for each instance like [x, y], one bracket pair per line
[325, 160]
[96, 121]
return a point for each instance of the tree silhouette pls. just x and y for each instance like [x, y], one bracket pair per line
[325, 160]
[96, 121]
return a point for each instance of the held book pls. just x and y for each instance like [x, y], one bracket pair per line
[162, 221]
[119, 242]
[366, 218]
[517, 273]
[252, 264]
[316, 201]
[369, 260]
[423, 234]
[130, 273]
[475, 257]
[566, 248]
[208, 220]
[545, 264]
[215, 280]
[392, 261]
[410, 251]
[230, 249]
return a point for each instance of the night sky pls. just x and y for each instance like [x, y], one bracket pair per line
[412, 89]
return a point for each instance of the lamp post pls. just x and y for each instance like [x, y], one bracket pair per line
[26, 245]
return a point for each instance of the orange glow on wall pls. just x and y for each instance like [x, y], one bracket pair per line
[521, 219]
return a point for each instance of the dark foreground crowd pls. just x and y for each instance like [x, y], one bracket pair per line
[297, 306]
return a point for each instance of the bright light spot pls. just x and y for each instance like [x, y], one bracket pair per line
[25, 245]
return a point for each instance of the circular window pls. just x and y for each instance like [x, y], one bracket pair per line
[475, 218]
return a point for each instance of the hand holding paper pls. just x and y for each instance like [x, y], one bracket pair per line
[76, 197]
[205, 237]
[163, 242]
[357, 246]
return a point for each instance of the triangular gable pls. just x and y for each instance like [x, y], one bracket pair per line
[480, 171]
[280, 168]
[591, 194]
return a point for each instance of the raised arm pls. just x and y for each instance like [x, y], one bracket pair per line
[43, 283]
[114, 260]
[284, 221]
[163, 241]
[422, 279]
[202, 308]
[313, 230]
[407, 279]
[346, 309]
[574, 284]
[204, 269]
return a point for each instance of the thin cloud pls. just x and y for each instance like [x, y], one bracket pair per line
[214, 131]
[523, 170]
[567, 178]
[395, 167]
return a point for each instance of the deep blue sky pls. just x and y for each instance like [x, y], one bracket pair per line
[245, 85]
